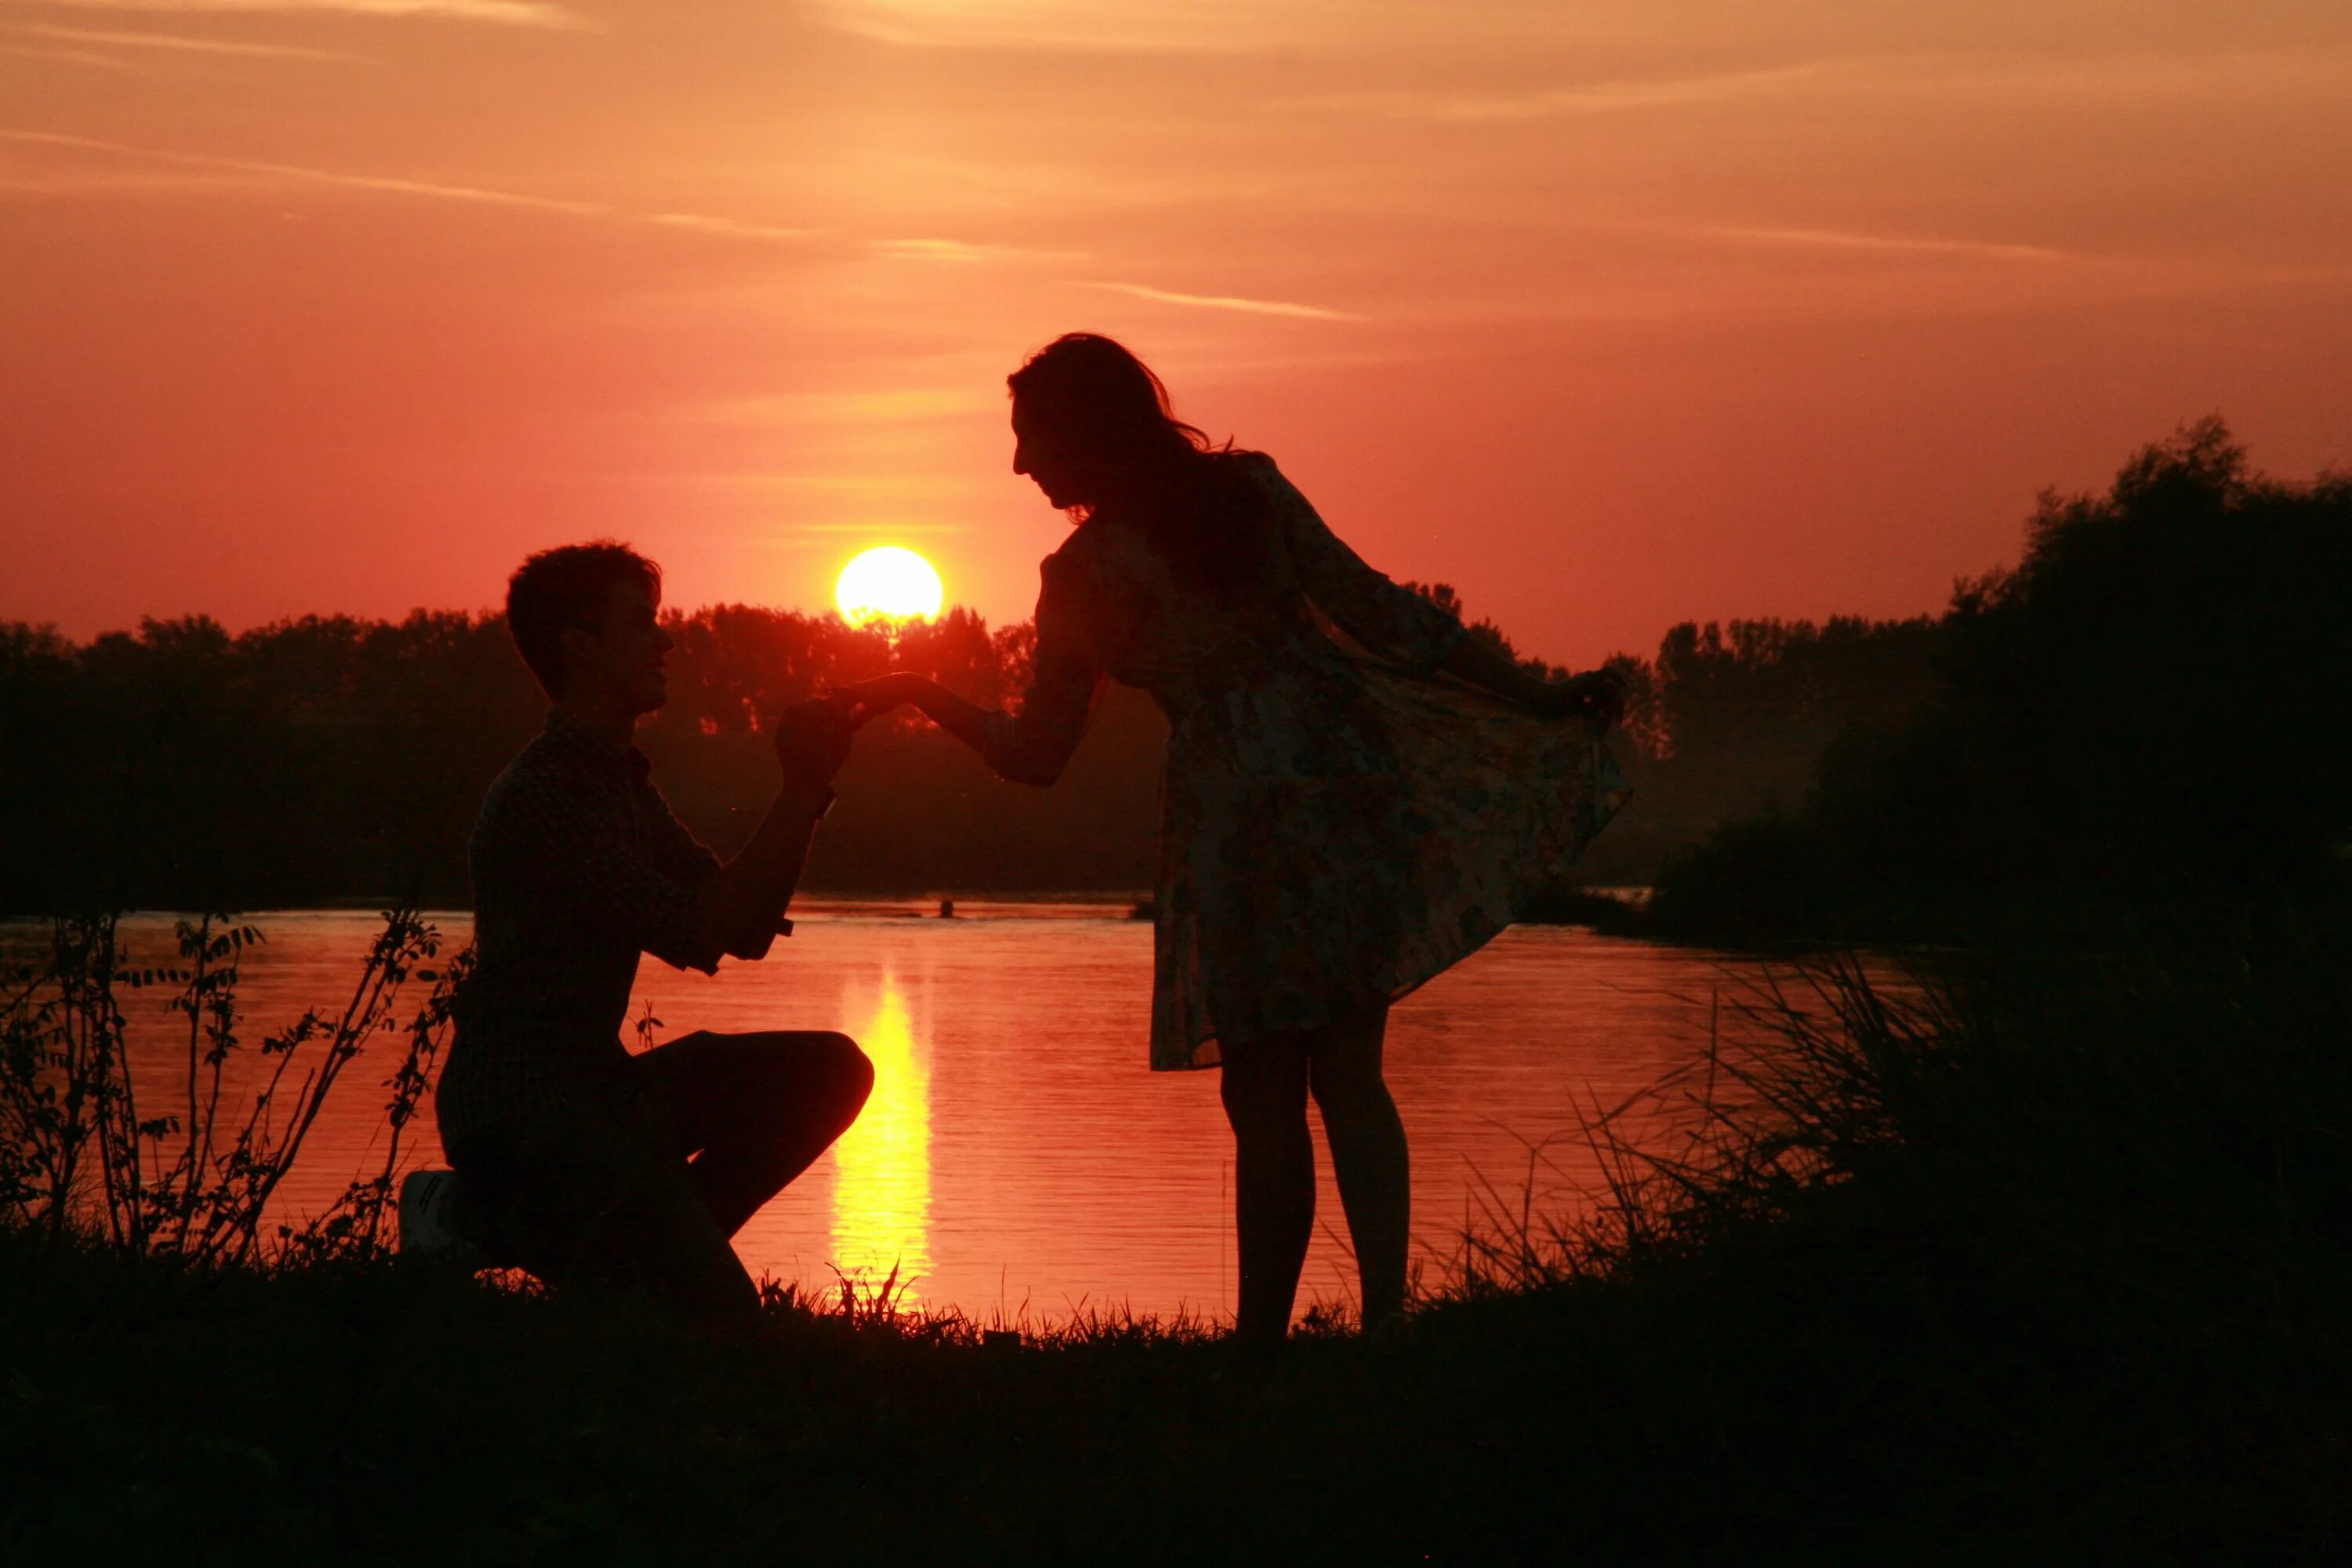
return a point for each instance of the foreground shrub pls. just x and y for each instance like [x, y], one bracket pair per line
[92, 1150]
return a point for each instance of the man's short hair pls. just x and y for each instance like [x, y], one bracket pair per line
[571, 585]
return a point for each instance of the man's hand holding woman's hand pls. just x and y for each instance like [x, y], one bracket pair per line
[812, 737]
[884, 693]
[743, 903]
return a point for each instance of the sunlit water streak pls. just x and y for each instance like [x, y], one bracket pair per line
[882, 1165]
[1017, 1156]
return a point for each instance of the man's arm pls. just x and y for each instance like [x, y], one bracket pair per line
[743, 903]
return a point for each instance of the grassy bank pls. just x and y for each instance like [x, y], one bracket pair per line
[2053, 1266]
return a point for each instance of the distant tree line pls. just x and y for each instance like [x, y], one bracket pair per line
[329, 759]
[2153, 707]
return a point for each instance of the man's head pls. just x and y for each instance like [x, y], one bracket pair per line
[585, 619]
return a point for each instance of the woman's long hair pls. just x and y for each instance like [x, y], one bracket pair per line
[1097, 395]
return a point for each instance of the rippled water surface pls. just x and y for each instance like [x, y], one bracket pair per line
[1017, 1155]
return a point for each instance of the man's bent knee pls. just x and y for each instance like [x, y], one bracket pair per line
[849, 1074]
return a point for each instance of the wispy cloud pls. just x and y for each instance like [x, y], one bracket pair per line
[386, 183]
[1224, 302]
[967, 250]
[1848, 273]
[2140, 77]
[901, 407]
[866, 493]
[1200, 27]
[698, 223]
[71, 57]
[1087, 25]
[703, 223]
[508, 13]
[870, 530]
[1589, 98]
[176, 43]
[2123, 76]
[1901, 244]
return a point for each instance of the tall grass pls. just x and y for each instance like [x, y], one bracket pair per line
[168, 1165]
[2048, 1243]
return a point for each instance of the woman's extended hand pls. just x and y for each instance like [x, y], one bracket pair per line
[1596, 694]
[967, 722]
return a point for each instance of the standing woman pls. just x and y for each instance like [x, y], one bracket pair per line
[1357, 793]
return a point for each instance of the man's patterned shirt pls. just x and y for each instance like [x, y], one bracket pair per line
[578, 867]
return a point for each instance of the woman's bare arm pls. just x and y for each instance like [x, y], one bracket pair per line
[967, 722]
[1031, 747]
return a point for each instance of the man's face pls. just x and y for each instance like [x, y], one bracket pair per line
[621, 657]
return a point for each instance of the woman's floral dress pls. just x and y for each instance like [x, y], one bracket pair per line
[1338, 823]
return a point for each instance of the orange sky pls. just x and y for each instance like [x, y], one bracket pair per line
[1611, 314]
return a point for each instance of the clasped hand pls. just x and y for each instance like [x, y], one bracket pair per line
[811, 736]
[880, 695]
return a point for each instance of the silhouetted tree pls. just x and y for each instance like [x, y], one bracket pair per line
[332, 758]
[2155, 700]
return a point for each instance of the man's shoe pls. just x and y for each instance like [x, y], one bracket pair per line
[428, 1213]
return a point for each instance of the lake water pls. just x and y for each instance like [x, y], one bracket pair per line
[1017, 1156]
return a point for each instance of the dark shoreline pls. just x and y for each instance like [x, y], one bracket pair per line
[2056, 1269]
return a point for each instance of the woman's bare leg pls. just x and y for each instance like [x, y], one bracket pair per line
[1368, 1155]
[1265, 1091]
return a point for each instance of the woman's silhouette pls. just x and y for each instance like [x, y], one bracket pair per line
[1356, 794]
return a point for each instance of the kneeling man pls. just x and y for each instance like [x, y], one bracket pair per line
[574, 1160]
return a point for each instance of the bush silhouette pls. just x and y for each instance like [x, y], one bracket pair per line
[2153, 701]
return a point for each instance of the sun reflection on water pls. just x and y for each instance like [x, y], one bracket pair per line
[882, 1174]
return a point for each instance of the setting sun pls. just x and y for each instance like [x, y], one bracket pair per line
[887, 583]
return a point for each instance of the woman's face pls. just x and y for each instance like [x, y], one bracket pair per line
[1043, 455]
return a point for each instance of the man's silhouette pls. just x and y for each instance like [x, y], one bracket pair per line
[574, 1160]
